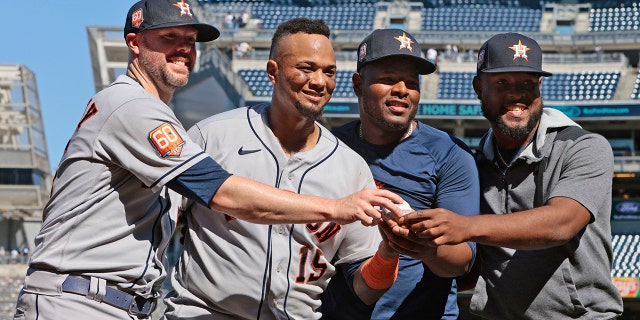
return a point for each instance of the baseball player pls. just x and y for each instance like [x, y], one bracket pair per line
[233, 269]
[100, 251]
[424, 165]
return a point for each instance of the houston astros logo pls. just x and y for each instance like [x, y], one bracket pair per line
[185, 8]
[520, 51]
[405, 42]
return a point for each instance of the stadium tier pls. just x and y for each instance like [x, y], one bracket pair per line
[349, 17]
[501, 19]
[582, 86]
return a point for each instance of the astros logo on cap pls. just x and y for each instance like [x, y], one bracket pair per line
[405, 42]
[520, 51]
[185, 8]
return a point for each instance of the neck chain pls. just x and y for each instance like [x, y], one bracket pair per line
[406, 135]
[500, 157]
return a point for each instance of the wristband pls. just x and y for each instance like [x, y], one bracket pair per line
[378, 272]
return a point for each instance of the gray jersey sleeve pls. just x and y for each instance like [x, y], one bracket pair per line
[149, 142]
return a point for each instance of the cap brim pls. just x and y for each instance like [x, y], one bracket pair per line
[206, 32]
[424, 66]
[518, 69]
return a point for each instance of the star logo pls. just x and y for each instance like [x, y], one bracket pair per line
[520, 51]
[405, 42]
[185, 8]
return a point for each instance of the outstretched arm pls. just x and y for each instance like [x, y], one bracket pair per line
[547, 226]
[259, 203]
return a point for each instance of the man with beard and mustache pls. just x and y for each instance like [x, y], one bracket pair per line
[544, 235]
[232, 269]
[427, 167]
[100, 253]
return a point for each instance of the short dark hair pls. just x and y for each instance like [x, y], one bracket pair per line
[295, 25]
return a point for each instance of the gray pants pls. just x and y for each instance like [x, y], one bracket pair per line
[42, 298]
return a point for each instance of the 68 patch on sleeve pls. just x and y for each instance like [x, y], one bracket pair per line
[166, 140]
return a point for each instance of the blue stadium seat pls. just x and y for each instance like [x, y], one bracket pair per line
[636, 89]
[620, 18]
[626, 256]
[357, 16]
[456, 85]
[483, 18]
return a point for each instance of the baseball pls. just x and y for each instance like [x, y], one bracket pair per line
[404, 206]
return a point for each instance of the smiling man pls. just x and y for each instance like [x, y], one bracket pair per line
[544, 232]
[232, 269]
[426, 166]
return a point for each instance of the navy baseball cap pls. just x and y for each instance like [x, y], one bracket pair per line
[382, 43]
[156, 14]
[510, 52]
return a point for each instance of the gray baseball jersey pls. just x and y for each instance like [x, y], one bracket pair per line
[108, 216]
[232, 269]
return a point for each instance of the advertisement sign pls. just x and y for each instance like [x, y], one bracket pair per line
[625, 210]
[627, 286]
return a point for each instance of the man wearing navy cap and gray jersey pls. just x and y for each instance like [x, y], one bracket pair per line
[100, 251]
[544, 232]
[427, 167]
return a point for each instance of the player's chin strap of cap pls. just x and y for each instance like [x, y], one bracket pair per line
[134, 305]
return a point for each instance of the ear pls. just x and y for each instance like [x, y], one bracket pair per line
[540, 83]
[133, 42]
[356, 81]
[272, 70]
[477, 86]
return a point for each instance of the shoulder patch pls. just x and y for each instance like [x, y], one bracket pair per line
[166, 140]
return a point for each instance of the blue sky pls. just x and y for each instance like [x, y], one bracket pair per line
[50, 39]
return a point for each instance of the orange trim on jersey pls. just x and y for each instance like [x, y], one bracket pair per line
[166, 140]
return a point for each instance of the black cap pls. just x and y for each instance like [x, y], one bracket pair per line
[156, 14]
[382, 43]
[510, 52]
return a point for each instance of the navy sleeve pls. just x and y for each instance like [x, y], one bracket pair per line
[340, 293]
[200, 182]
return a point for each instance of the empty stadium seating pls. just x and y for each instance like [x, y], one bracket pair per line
[636, 89]
[481, 19]
[345, 17]
[583, 86]
[456, 85]
[621, 18]
[260, 86]
[626, 256]
[257, 81]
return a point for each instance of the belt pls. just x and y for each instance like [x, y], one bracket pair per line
[135, 305]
